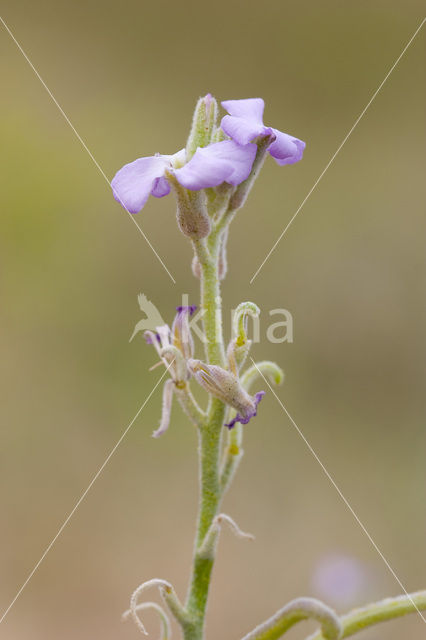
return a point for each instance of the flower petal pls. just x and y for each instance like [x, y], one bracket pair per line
[220, 162]
[286, 149]
[250, 108]
[168, 391]
[181, 331]
[133, 183]
[161, 188]
[245, 121]
[244, 419]
[242, 131]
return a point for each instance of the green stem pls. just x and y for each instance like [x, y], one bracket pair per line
[388, 609]
[209, 442]
[211, 301]
[294, 612]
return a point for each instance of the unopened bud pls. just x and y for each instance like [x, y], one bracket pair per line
[203, 125]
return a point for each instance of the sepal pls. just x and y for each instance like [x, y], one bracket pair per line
[225, 386]
[192, 216]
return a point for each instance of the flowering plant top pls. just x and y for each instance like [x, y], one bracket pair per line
[211, 179]
[226, 157]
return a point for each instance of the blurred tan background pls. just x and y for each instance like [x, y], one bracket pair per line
[351, 270]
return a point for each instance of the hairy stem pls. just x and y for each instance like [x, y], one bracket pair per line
[372, 614]
[209, 443]
[294, 612]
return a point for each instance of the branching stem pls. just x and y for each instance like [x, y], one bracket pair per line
[372, 614]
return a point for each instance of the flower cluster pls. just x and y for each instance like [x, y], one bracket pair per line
[175, 347]
[214, 155]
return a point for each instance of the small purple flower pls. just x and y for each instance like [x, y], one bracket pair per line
[224, 161]
[245, 123]
[219, 162]
[251, 413]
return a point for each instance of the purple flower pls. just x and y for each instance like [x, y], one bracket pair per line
[224, 161]
[245, 122]
[220, 162]
[251, 413]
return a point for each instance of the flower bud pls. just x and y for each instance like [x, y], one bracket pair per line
[203, 125]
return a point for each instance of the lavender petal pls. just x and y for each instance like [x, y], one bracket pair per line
[246, 419]
[245, 120]
[286, 149]
[220, 162]
[133, 183]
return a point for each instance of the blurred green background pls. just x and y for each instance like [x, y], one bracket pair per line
[351, 269]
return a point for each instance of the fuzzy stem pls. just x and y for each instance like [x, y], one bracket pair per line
[209, 442]
[388, 609]
[294, 612]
